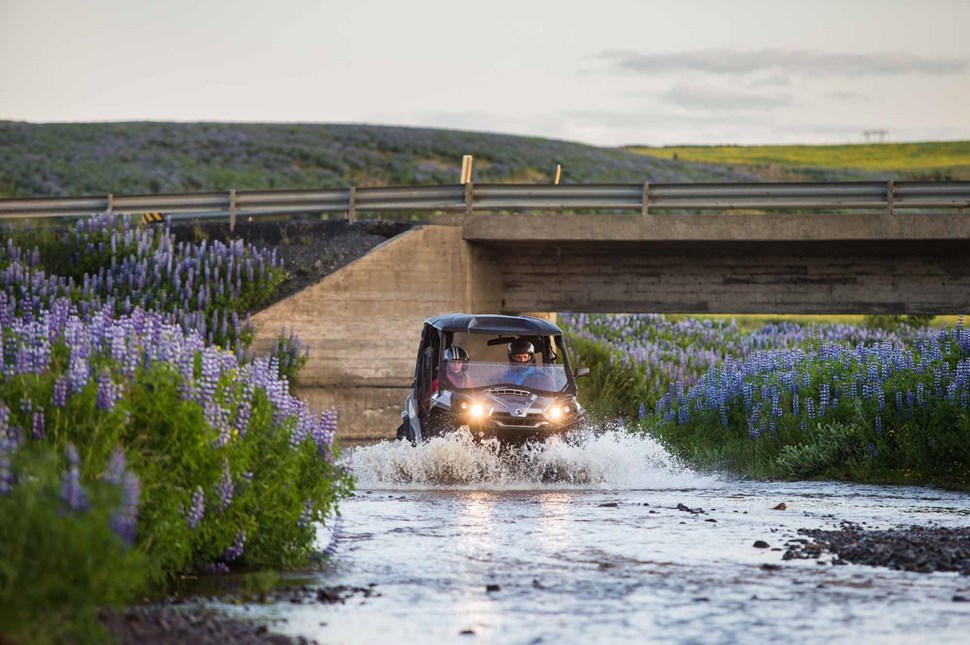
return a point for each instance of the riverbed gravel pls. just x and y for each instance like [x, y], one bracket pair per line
[162, 624]
[923, 549]
[189, 620]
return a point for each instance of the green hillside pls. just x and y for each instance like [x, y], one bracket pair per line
[927, 160]
[151, 157]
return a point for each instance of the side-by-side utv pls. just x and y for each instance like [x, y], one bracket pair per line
[506, 377]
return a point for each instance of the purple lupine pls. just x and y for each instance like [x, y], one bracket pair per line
[37, 426]
[71, 492]
[306, 517]
[7, 447]
[4, 421]
[107, 392]
[115, 472]
[197, 508]
[59, 396]
[226, 487]
[124, 521]
[235, 550]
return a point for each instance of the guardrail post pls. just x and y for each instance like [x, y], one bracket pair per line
[890, 198]
[111, 203]
[645, 202]
[352, 209]
[232, 210]
[469, 198]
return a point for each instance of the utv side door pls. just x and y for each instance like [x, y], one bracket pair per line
[424, 374]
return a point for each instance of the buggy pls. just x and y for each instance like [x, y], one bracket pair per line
[464, 375]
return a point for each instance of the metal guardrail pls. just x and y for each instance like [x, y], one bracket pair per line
[890, 197]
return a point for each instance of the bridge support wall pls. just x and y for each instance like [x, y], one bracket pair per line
[730, 277]
[362, 323]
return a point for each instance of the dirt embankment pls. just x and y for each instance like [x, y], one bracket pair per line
[310, 249]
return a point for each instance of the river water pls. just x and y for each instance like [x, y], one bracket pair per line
[583, 542]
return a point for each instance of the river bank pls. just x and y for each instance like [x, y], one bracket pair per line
[611, 540]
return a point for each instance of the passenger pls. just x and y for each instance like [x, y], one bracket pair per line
[457, 358]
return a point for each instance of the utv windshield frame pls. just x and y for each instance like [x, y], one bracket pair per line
[439, 331]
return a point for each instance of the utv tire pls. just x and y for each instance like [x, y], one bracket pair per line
[440, 424]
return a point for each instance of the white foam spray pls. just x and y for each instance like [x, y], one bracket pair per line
[584, 458]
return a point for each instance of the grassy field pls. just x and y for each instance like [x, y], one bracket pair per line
[926, 160]
[39, 160]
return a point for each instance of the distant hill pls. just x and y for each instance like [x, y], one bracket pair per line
[933, 160]
[153, 157]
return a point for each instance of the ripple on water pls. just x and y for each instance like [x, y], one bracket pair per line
[584, 458]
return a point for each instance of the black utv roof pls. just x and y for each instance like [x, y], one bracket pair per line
[494, 324]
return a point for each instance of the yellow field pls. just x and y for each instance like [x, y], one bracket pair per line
[903, 157]
[751, 322]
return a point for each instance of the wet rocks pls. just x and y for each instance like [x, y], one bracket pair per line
[688, 509]
[323, 595]
[922, 549]
[760, 544]
[492, 588]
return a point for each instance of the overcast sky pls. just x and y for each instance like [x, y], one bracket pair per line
[597, 71]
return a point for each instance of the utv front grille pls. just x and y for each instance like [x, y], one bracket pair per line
[530, 420]
[509, 391]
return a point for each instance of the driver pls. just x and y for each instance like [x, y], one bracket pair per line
[522, 369]
[456, 358]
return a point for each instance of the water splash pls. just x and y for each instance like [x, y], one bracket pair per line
[584, 458]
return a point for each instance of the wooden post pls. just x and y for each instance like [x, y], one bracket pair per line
[558, 174]
[232, 210]
[352, 210]
[645, 202]
[466, 169]
[111, 202]
[890, 198]
[468, 198]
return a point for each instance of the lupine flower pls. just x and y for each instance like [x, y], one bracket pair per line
[6, 468]
[59, 398]
[124, 521]
[226, 487]
[235, 551]
[197, 509]
[107, 392]
[71, 492]
[38, 425]
[306, 517]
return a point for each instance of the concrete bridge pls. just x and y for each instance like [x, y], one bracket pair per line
[362, 322]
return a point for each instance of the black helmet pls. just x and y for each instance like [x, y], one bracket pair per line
[522, 346]
[456, 353]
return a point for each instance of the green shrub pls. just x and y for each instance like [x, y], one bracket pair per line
[59, 564]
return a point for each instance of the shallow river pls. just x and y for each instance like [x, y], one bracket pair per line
[584, 543]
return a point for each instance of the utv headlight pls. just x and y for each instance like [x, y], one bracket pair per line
[556, 413]
[476, 410]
